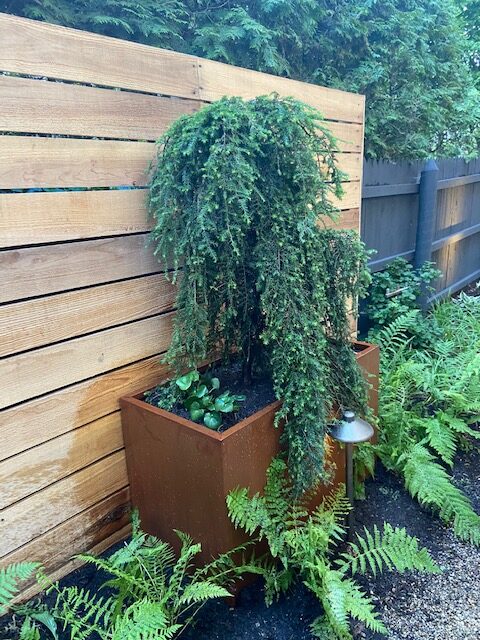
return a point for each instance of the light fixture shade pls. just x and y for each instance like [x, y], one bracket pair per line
[351, 429]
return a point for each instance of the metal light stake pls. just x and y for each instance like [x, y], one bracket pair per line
[350, 430]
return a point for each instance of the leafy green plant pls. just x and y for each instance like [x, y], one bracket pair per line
[199, 394]
[302, 546]
[429, 406]
[395, 290]
[238, 195]
[149, 593]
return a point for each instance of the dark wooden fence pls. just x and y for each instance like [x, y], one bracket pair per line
[390, 216]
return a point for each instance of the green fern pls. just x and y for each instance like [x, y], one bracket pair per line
[303, 544]
[10, 579]
[429, 404]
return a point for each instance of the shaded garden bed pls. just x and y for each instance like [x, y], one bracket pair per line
[414, 607]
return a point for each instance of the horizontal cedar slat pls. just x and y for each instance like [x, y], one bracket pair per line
[28, 162]
[37, 48]
[218, 80]
[82, 532]
[76, 563]
[41, 466]
[40, 106]
[62, 411]
[36, 372]
[30, 218]
[39, 271]
[351, 198]
[349, 219]
[32, 517]
[72, 162]
[38, 322]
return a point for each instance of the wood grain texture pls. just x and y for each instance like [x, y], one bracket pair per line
[36, 372]
[41, 106]
[62, 411]
[218, 80]
[38, 322]
[60, 501]
[37, 218]
[52, 461]
[72, 162]
[349, 219]
[82, 532]
[38, 271]
[76, 563]
[351, 198]
[37, 48]
[28, 162]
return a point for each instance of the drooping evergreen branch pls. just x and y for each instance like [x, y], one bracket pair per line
[238, 194]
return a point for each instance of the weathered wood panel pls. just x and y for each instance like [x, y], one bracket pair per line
[38, 322]
[390, 212]
[33, 373]
[72, 162]
[55, 459]
[41, 106]
[87, 310]
[29, 518]
[37, 271]
[217, 80]
[36, 48]
[33, 218]
[70, 408]
[85, 530]
[75, 162]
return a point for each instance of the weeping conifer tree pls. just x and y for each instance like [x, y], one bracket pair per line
[238, 195]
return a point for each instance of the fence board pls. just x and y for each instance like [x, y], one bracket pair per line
[62, 411]
[82, 308]
[82, 532]
[36, 372]
[39, 271]
[52, 461]
[72, 162]
[36, 48]
[40, 106]
[75, 162]
[31, 218]
[60, 501]
[218, 80]
[390, 211]
[38, 322]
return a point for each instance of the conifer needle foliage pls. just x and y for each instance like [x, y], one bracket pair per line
[238, 195]
[302, 546]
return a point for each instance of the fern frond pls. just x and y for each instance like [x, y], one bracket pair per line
[391, 549]
[442, 440]
[430, 484]
[200, 592]
[10, 579]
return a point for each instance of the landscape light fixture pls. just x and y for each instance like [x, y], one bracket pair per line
[350, 430]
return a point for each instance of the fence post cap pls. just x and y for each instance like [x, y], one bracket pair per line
[430, 165]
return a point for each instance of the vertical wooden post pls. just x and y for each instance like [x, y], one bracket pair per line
[427, 211]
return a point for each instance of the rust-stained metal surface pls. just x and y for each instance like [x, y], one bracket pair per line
[180, 472]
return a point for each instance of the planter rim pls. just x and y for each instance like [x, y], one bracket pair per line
[137, 400]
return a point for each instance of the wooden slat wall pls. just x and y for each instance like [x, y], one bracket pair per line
[85, 311]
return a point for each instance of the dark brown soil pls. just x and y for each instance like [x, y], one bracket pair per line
[257, 395]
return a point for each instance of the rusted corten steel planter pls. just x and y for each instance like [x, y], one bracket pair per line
[180, 472]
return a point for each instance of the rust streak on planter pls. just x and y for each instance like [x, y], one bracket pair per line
[180, 472]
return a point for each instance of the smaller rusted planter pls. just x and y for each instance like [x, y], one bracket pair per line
[180, 472]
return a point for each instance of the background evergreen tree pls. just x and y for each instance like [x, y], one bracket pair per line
[415, 60]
